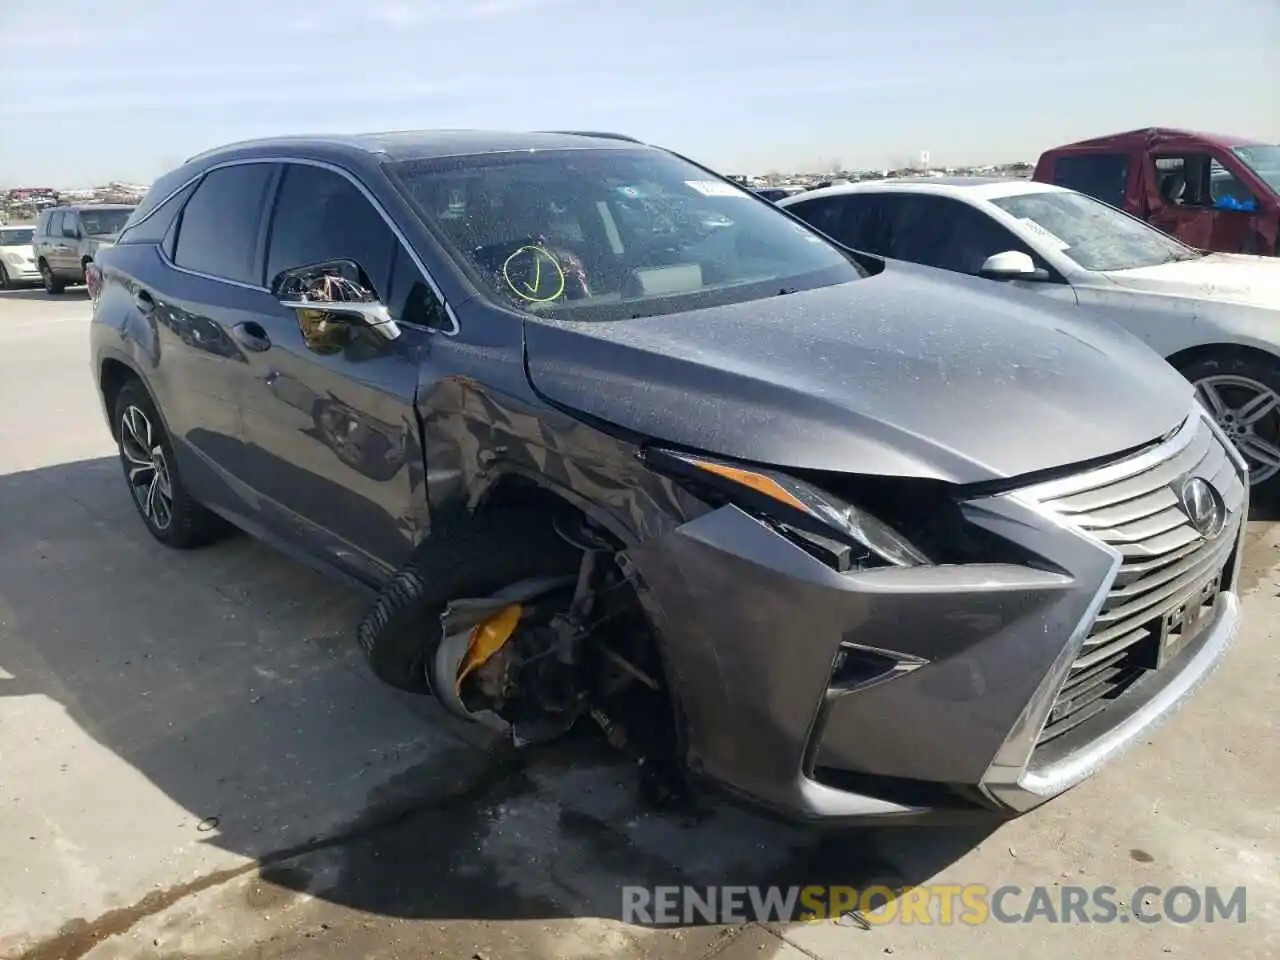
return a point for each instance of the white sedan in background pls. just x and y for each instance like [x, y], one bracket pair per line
[1214, 316]
[17, 257]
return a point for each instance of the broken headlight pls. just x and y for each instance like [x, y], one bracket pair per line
[837, 532]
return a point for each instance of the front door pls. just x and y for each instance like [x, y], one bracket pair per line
[1203, 201]
[330, 415]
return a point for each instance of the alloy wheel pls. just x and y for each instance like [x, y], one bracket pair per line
[147, 468]
[1249, 413]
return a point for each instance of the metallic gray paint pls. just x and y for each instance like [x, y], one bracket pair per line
[908, 373]
[347, 460]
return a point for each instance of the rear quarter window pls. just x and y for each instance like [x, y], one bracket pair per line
[151, 225]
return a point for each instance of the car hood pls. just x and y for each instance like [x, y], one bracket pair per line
[913, 372]
[1231, 277]
[22, 249]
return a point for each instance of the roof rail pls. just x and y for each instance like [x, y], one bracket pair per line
[596, 133]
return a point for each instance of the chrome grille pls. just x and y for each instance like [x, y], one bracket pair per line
[1168, 569]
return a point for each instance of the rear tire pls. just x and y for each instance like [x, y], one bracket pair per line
[52, 285]
[4, 278]
[469, 557]
[1242, 393]
[169, 511]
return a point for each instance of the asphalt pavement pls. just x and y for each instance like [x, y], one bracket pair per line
[195, 763]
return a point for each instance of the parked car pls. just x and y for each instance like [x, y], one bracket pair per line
[69, 238]
[853, 539]
[17, 259]
[1212, 192]
[1216, 317]
[774, 194]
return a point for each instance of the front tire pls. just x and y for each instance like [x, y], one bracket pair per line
[1243, 394]
[4, 278]
[169, 511]
[52, 285]
[471, 557]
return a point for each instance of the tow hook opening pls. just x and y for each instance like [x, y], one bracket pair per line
[536, 658]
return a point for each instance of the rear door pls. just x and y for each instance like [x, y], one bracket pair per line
[197, 291]
[334, 441]
[63, 252]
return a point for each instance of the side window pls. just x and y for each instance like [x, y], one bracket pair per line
[863, 223]
[1101, 175]
[70, 223]
[157, 224]
[54, 228]
[822, 213]
[218, 231]
[320, 215]
[1198, 180]
[947, 234]
[409, 298]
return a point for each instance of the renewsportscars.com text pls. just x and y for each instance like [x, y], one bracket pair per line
[936, 904]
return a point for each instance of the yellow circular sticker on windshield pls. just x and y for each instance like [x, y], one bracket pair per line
[534, 274]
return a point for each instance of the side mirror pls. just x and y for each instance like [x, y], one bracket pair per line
[71, 233]
[334, 289]
[1012, 265]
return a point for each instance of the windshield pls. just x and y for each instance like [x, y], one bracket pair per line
[13, 237]
[102, 223]
[613, 233]
[1264, 161]
[1093, 234]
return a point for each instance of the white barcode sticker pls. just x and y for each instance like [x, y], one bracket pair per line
[714, 188]
[1040, 233]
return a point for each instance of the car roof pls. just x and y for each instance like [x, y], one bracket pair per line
[965, 188]
[1151, 136]
[430, 144]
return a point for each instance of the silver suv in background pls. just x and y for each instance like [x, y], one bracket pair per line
[68, 239]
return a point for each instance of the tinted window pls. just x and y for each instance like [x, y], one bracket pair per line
[865, 223]
[1094, 235]
[320, 215]
[944, 233]
[613, 233]
[822, 212]
[409, 298]
[15, 236]
[155, 226]
[1101, 175]
[218, 232]
[55, 224]
[103, 222]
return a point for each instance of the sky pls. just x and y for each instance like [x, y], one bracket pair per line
[126, 89]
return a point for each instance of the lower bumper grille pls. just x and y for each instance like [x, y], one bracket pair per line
[1169, 575]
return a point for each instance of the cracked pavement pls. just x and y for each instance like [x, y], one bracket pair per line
[195, 763]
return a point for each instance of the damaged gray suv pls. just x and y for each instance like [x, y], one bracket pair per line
[612, 440]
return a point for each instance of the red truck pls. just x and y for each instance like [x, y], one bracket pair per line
[1211, 192]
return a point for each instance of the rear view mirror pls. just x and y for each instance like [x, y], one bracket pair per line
[1012, 265]
[335, 289]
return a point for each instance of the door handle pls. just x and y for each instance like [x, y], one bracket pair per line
[251, 335]
[144, 301]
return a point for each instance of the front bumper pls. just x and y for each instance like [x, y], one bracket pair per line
[957, 699]
[22, 272]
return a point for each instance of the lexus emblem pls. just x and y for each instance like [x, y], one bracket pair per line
[1203, 506]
